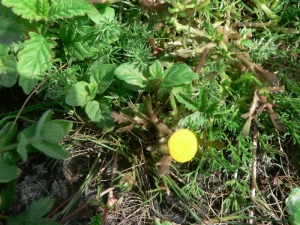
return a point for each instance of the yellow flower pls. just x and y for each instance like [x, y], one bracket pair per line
[183, 145]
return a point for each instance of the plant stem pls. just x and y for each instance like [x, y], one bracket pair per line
[9, 147]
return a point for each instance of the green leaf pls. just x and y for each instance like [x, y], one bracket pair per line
[8, 71]
[44, 118]
[187, 101]
[81, 93]
[34, 59]
[22, 151]
[29, 9]
[106, 13]
[293, 206]
[78, 50]
[33, 214]
[103, 76]
[156, 70]
[65, 125]
[99, 113]
[177, 75]
[52, 132]
[131, 74]
[39, 208]
[70, 8]
[293, 203]
[53, 150]
[10, 31]
[6, 135]
[8, 170]
[7, 195]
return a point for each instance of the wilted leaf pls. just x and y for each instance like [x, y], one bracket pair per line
[164, 164]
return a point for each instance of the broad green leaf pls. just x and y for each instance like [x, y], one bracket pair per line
[70, 8]
[7, 195]
[40, 208]
[131, 74]
[81, 93]
[8, 71]
[177, 75]
[293, 202]
[106, 13]
[53, 150]
[52, 132]
[44, 118]
[33, 214]
[80, 51]
[10, 31]
[22, 151]
[4, 49]
[34, 59]
[102, 76]
[99, 113]
[8, 170]
[65, 125]
[6, 135]
[29, 9]
[28, 132]
[156, 70]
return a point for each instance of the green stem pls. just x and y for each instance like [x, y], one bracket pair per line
[9, 147]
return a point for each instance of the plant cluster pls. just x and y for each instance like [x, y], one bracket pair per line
[222, 73]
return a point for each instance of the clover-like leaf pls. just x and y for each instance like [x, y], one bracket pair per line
[81, 93]
[103, 76]
[131, 74]
[53, 150]
[34, 59]
[100, 113]
[177, 75]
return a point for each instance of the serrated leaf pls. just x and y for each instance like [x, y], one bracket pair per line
[187, 101]
[8, 71]
[8, 170]
[53, 150]
[7, 195]
[40, 208]
[80, 51]
[131, 74]
[81, 93]
[22, 151]
[70, 8]
[6, 135]
[106, 13]
[10, 31]
[34, 59]
[100, 113]
[177, 75]
[102, 76]
[29, 9]
[52, 132]
[156, 70]
[44, 118]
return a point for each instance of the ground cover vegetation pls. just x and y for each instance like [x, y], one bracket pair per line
[187, 111]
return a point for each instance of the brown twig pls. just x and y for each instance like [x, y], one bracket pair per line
[201, 61]
[253, 178]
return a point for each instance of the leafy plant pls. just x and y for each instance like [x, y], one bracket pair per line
[43, 136]
[293, 206]
[34, 214]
